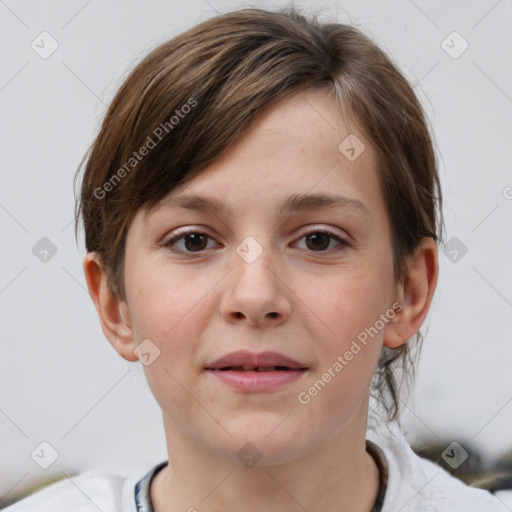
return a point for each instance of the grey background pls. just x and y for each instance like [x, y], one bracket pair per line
[62, 382]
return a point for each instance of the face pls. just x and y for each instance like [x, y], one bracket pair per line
[313, 283]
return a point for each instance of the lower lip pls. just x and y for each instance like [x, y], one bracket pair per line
[257, 381]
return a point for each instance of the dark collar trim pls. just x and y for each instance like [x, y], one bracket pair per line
[142, 487]
[143, 497]
[380, 459]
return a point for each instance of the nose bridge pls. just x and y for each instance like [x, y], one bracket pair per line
[255, 291]
[253, 262]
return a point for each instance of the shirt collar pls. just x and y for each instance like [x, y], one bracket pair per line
[143, 497]
[142, 488]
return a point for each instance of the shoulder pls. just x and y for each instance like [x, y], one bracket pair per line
[91, 491]
[415, 483]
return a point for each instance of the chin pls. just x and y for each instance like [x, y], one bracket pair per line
[264, 439]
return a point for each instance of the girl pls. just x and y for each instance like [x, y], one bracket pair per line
[262, 211]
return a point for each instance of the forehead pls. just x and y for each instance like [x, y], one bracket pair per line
[293, 157]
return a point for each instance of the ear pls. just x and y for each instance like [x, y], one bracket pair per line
[112, 311]
[415, 295]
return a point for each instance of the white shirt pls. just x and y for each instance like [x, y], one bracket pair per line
[414, 484]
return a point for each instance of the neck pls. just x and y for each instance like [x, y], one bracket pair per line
[336, 475]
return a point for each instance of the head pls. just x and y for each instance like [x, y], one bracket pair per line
[251, 108]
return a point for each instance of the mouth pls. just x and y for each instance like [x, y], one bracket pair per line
[243, 360]
[247, 372]
[257, 369]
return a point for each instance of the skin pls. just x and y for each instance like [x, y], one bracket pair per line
[199, 305]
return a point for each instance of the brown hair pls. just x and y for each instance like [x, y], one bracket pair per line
[191, 97]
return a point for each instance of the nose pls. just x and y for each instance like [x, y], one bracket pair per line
[257, 292]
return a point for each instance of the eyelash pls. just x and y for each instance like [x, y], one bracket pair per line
[181, 235]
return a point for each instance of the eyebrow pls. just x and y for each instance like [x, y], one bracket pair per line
[296, 202]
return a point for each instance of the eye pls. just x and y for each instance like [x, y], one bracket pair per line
[319, 239]
[195, 241]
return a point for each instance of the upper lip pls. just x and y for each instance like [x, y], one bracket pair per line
[252, 360]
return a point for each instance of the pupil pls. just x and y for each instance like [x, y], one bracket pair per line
[195, 237]
[316, 236]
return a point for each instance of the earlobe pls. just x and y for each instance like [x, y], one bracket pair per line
[415, 294]
[112, 311]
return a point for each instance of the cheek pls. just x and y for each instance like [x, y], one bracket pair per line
[168, 306]
[171, 326]
[172, 312]
[342, 306]
[348, 333]
[346, 359]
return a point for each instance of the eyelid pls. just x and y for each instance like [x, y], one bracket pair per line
[179, 233]
[314, 228]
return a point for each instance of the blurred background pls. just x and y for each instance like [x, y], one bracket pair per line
[68, 402]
